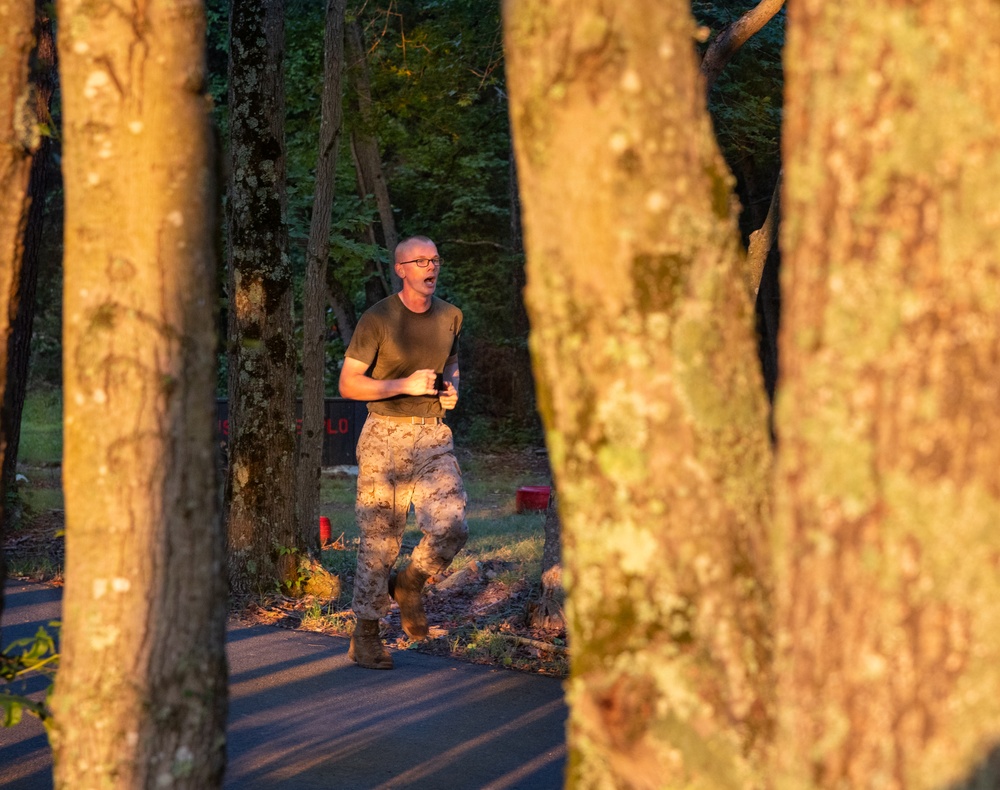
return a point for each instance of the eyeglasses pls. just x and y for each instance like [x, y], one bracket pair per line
[423, 263]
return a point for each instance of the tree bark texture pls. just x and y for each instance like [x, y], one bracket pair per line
[649, 388]
[365, 147]
[19, 138]
[889, 467]
[261, 486]
[140, 697]
[43, 81]
[314, 326]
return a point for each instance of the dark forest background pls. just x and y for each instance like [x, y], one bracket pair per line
[439, 113]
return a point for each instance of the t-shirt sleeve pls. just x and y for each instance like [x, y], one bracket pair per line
[365, 340]
[453, 354]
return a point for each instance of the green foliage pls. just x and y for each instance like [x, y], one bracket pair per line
[300, 575]
[440, 115]
[746, 101]
[217, 48]
[21, 658]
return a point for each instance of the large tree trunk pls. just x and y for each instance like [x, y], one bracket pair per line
[18, 139]
[888, 419]
[654, 410]
[314, 326]
[365, 148]
[140, 698]
[43, 80]
[261, 483]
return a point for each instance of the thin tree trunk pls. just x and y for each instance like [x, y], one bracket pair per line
[340, 303]
[261, 482]
[140, 697]
[650, 391]
[19, 347]
[314, 329]
[761, 242]
[889, 471]
[18, 140]
[548, 610]
[524, 387]
[364, 145]
[377, 285]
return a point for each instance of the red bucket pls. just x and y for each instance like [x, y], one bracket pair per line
[324, 530]
[532, 498]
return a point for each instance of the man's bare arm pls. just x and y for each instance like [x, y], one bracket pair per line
[356, 384]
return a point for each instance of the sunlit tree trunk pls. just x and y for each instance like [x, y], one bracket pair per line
[261, 485]
[649, 387]
[140, 698]
[18, 139]
[888, 413]
[314, 325]
[43, 82]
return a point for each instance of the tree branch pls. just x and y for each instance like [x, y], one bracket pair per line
[481, 243]
[761, 241]
[732, 37]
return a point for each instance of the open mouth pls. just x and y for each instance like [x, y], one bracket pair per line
[430, 281]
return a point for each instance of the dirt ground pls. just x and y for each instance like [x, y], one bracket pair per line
[482, 621]
[480, 617]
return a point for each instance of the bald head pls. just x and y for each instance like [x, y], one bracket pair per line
[406, 248]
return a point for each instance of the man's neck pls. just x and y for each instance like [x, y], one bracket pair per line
[417, 303]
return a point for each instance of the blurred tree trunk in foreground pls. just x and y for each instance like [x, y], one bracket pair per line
[140, 698]
[649, 387]
[18, 140]
[43, 83]
[261, 486]
[889, 472]
[314, 326]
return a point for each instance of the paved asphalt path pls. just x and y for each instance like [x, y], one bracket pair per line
[303, 716]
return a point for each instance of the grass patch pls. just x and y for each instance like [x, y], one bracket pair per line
[490, 645]
[40, 500]
[41, 429]
[327, 617]
[36, 568]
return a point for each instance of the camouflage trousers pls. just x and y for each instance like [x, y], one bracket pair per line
[400, 464]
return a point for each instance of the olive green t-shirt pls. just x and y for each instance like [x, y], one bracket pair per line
[395, 342]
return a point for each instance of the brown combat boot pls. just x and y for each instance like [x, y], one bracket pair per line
[366, 648]
[405, 587]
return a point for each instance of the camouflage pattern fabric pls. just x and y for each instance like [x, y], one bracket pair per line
[399, 463]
